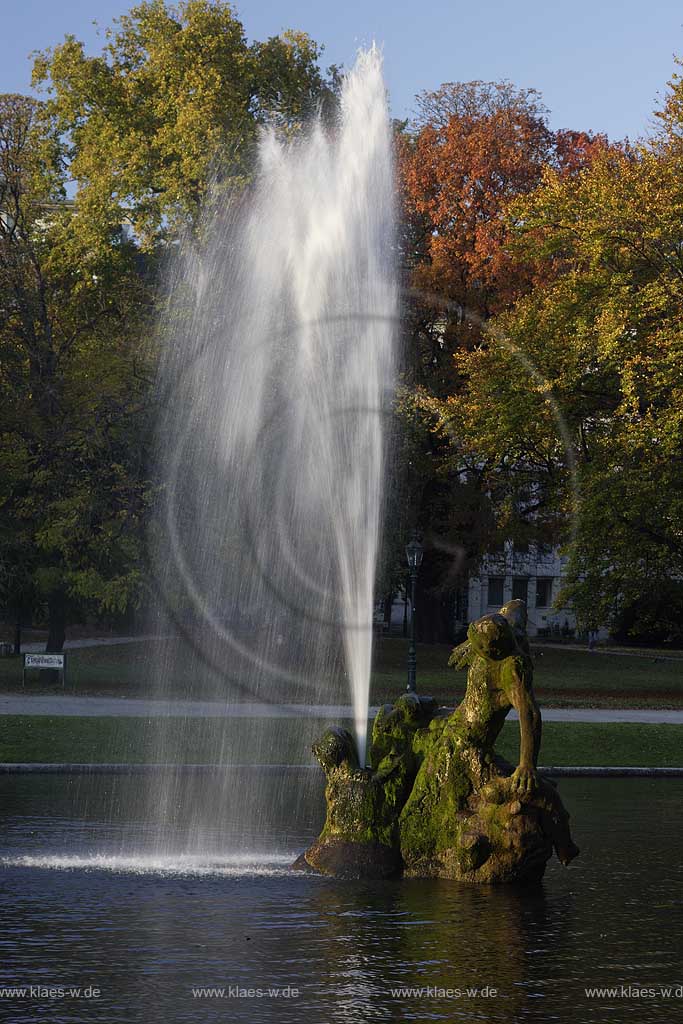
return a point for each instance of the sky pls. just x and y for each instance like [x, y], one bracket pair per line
[599, 64]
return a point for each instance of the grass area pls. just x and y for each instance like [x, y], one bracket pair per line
[288, 741]
[563, 677]
[618, 744]
[117, 670]
[106, 740]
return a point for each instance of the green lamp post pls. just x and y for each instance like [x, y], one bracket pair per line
[414, 553]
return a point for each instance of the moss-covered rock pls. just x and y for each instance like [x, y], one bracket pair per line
[359, 838]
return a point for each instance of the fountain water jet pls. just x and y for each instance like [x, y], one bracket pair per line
[278, 366]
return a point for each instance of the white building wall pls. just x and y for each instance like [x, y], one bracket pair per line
[535, 576]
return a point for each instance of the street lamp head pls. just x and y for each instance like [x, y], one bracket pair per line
[414, 552]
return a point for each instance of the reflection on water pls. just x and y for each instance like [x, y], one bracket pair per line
[86, 899]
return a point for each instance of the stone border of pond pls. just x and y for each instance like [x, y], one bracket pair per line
[564, 771]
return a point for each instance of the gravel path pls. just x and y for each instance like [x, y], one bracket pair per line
[93, 641]
[88, 707]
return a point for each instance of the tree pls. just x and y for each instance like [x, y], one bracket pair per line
[578, 391]
[172, 107]
[72, 494]
[143, 136]
[474, 150]
[477, 145]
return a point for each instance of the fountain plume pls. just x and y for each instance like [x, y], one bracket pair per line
[278, 370]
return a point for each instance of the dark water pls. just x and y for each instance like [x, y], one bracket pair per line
[92, 896]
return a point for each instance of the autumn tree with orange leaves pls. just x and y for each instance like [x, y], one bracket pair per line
[474, 148]
[472, 151]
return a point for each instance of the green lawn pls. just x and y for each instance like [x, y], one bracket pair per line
[104, 740]
[118, 670]
[287, 741]
[564, 678]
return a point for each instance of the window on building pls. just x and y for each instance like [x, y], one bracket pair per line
[461, 604]
[520, 589]
[496, 587]
[496, 549]
[543, 593]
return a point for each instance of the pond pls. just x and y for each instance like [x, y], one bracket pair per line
[96, 897]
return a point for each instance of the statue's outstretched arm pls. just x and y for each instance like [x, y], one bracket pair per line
[521, 695]
[461, 656]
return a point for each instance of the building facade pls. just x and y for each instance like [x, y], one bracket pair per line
[534, 574]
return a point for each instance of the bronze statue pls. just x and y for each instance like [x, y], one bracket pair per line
[436, 799]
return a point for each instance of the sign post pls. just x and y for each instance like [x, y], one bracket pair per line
[43, 661]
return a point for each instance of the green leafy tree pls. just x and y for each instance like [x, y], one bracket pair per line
[97, 184]
[72, 496]
[172, 108]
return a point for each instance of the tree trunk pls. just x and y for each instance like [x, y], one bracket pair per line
[56, 607]
[435, 616]
[17, 635]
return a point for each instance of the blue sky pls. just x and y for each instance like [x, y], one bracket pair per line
[599, 64]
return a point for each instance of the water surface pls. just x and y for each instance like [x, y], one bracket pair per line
[94, 894]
